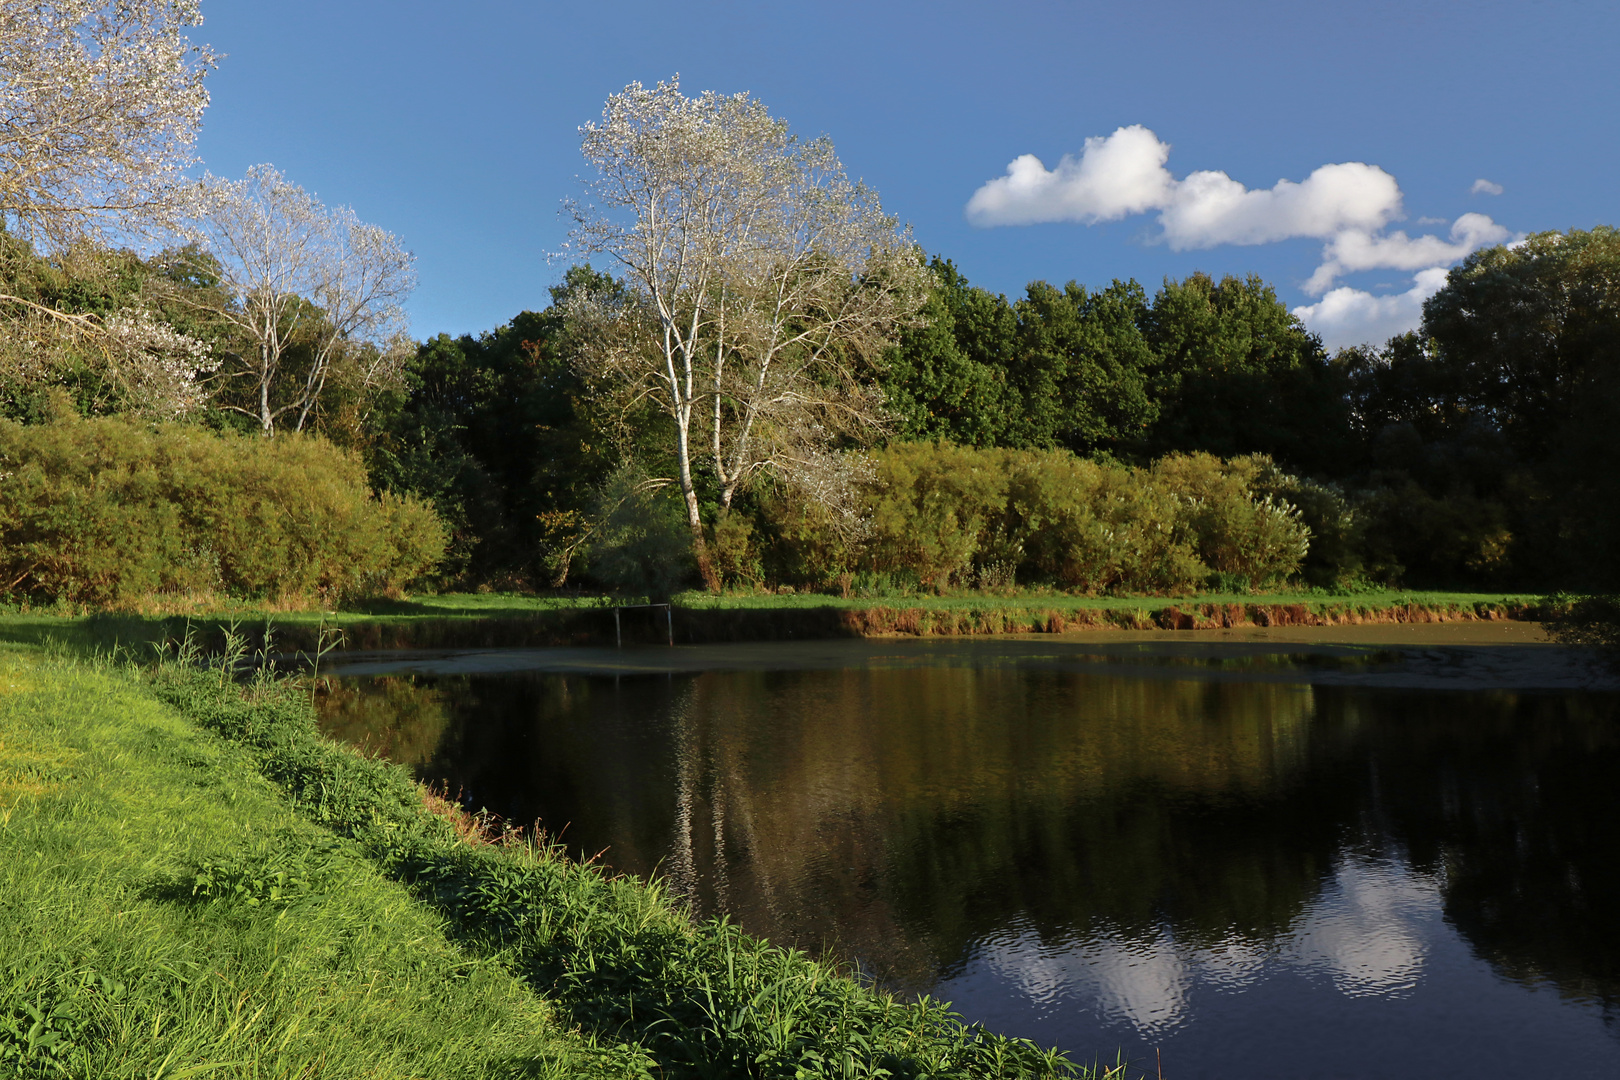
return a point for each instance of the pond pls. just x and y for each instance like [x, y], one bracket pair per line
[1228, 860]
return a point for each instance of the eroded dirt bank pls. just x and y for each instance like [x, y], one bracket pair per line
[695, 626]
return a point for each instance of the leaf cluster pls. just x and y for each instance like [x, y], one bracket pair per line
[948, 516]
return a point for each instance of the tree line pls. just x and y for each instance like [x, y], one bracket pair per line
[765, 383]
[1474, 451]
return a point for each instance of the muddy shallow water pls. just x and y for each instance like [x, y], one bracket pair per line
[1247, 856]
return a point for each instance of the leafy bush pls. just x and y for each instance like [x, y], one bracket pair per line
[935, 507]
[1090, 527]
[954, 516]
[1586, 620]
[1239, 532]
[800, 542]
[110, 511]
[1454, 537]
[642, 545]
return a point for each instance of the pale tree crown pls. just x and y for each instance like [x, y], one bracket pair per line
[292, 268]
[100, 102]
[764, 284]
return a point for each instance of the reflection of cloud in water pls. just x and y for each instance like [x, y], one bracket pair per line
[1366, 931]
[1142, 983]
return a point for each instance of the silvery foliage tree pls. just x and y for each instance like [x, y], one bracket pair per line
[296, 271]
[147, 366]
[763, 285]
[100, 101]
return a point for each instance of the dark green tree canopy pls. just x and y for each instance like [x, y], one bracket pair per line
[1526, 334]
[1219, 366]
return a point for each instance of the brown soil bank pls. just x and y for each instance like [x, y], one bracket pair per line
[595, 626]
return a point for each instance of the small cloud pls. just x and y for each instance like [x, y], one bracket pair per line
[1432, 221]
[1357, 249]
[1347, 316]
[1115, 176]
[1485, 187]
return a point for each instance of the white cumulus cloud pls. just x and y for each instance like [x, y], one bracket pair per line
[1114, 176]
[1347, 316]
[1210, 208]
[1359, 249]
[1348, 205]
[1125, 173]
[1485, 187]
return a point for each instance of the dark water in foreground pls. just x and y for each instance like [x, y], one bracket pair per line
[1218, 859]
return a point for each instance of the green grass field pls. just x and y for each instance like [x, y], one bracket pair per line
[169, 914]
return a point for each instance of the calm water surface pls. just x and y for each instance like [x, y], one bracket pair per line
[1251, 865]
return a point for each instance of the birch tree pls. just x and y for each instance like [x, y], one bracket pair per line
[763, 285]
[100, 101]
[294, 271]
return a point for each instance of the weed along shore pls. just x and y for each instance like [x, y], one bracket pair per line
[195, 881]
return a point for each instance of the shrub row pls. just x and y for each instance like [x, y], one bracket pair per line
[949, 516]
[110, 511]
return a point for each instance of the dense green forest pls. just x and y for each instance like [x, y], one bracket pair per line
[1032, 441]
[1474, 451]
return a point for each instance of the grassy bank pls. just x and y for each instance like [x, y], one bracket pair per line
[169, 914]
[511, 620]
[194, 883]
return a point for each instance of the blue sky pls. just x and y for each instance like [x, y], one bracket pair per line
[454, 126]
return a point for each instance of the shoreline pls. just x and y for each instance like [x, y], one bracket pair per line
[1424, 656]
[475, 622]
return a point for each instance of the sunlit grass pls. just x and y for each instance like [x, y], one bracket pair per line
[167, 913]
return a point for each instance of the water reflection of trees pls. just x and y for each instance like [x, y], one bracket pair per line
[1511, 799]
[901, 815]
[396, 718]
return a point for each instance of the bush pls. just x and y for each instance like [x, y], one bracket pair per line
[935, 507]
[1239, 532]
[1090, 527]
[1432, 540]
[110, 511]
[643, 546]
[953, 516]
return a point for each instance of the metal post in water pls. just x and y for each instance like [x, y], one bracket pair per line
[669, 616]
[618, 634]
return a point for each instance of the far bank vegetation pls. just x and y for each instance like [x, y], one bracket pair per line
[811, 405]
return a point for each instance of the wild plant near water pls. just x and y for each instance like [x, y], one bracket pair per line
[954, 516]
